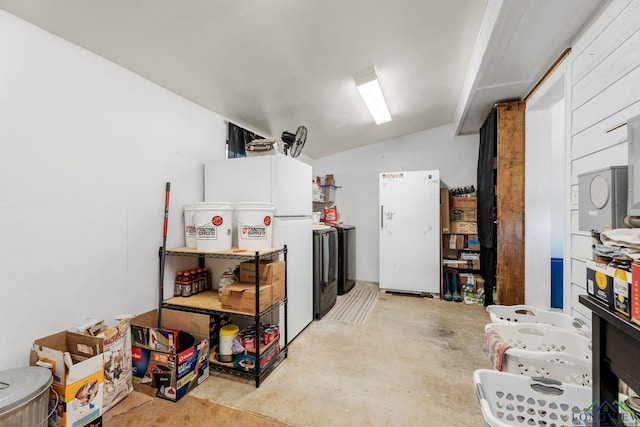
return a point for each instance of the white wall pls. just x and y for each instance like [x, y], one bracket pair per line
[87, 148]
[544, 187]
[605, 71]
[356, 172]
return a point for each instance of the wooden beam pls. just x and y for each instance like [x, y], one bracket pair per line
[546, 75]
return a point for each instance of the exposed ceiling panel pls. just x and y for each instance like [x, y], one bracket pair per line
[524, 41]
[272, 66]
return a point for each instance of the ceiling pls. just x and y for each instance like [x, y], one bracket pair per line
[271, 66]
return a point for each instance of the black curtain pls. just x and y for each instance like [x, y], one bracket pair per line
[237, 137]
[487, 203]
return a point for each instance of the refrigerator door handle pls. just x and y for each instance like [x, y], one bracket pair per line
[325, 258]
[381, 216]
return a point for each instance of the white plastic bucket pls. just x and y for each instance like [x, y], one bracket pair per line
[214, 226]
[254, 225]
[225, 342]
[189, 226]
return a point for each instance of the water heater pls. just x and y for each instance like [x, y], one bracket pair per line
[602, 197]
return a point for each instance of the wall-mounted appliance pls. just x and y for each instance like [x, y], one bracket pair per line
[633, 140]
[603, 199]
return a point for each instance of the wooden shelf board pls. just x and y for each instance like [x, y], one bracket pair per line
[239, 252]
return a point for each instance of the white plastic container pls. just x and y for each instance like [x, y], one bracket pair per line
[529, 314]
[226, 338]
[254, 225]
[189, 226]
[540, 351]
[214, 226]
[24, 396]
[226, 278]
[514, 400]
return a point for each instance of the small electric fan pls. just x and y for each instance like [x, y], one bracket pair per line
[293, 142]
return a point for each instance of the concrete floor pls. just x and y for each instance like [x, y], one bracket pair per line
[411, 363]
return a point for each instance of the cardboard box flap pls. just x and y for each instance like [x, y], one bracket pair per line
[70, 356]
[83, 345]
[150, 319]
[238, 288]
[195, 323]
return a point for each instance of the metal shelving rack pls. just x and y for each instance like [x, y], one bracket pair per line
[207, 303]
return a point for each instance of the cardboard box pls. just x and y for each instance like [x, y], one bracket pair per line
[634, 297]
[247, 362]
[78, 377]
[472, 298]
[609, 285]
[329, 180]
[117, 359]
[277, 292]
[271, 273]
[622, 283]
[463, 227]
[471, 282]
[444, 210]
[473, 243]
[477, 298]
[470, 264]
[453, 241]
[241, 297]
[463, 214]
[463, 202]
[449, 254]
[170, 366]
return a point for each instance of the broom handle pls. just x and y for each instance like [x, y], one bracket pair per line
[163, 252]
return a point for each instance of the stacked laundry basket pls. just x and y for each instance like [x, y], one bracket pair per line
[542, 372]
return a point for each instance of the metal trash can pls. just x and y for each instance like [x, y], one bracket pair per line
[24, 396]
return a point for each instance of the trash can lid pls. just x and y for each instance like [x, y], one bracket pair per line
[21, 385]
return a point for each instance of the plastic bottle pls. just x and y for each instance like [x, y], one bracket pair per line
[195, 284]
[226, 278]
[207, 278]
[187, 289]
[201, 282]
[177, 287]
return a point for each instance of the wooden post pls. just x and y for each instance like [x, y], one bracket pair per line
[510, 203]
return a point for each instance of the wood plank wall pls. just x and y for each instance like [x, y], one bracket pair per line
[510, 203]
[604, 76]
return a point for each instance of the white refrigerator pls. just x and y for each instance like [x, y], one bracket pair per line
[285, 182]
[410, 231]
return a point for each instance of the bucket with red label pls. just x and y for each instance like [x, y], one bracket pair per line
[214, 226]
[254, 225]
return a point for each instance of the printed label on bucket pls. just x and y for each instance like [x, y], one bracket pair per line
[267, 220]
[217, 220]
[207, 233]
[254, 232]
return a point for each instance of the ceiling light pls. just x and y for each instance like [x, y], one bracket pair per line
[371, 93]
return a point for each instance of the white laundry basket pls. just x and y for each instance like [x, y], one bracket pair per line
[540, 351]
[514, 400]
[529, 314]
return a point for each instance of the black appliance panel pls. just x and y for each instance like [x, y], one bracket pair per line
[346, 258]
[325, 271]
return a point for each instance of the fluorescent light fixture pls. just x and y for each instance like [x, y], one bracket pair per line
[371, 93]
